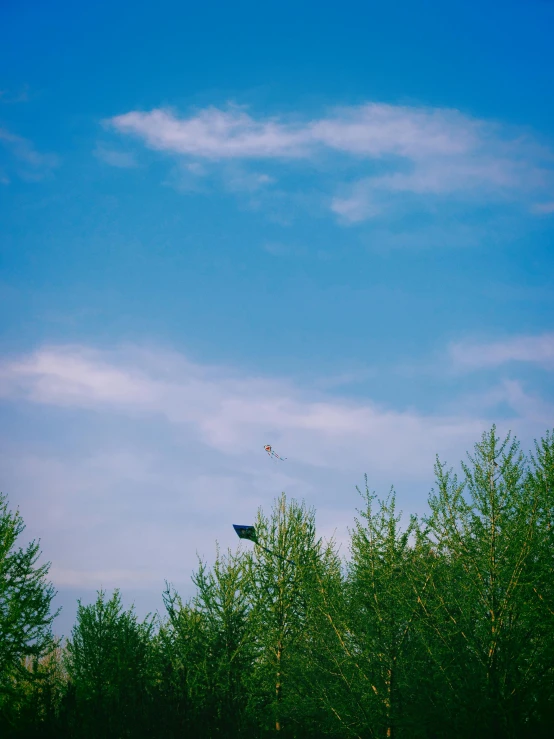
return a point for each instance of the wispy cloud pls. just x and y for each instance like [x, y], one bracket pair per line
[278, 249]
[155, 456]
[21, 96]
[512, 395]
[457, 177]
[544, 208]
[30, 164]
[416, 150]
[531, 349]
[214, 134]
[373, 130]
[241, 181]
[229, 414]
[120, 159]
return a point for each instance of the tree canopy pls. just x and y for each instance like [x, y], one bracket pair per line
[443, 628]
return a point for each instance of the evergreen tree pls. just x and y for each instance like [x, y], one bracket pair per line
[280, 593]
[39, 696]
[25, 613]
[538, 687]
[480, 628]
[108, 664]
[371, 629]
[183, 666]
[224, 601]
[441, 631]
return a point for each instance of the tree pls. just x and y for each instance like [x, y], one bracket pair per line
[205, 651]
[25, 603]
[183, 669]
[224, 601]
[323, 644]
[443, 630]
[481, 625]
[366, 648]
[538, 687]
[40, 691]
[108, 664]
[280, 590]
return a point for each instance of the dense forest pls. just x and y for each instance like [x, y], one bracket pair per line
[441, 629]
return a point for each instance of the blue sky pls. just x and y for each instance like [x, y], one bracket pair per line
[328, 228]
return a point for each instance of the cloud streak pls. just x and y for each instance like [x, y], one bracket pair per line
[31, 165]
[529, 349]
[230, 414]
[416, 150]
[119, 159]
[373, 130]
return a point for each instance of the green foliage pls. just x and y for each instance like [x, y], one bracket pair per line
[482, 626]
[281, 691]
[25, 618]
[182, 667]
[224, 602]
[369, 642]
[108, 659]
[443, 629]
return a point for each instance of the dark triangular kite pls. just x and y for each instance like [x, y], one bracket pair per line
[246, 532]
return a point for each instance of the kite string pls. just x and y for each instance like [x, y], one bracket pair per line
[275, 554]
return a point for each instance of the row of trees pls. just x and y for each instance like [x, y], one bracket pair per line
[444, 629]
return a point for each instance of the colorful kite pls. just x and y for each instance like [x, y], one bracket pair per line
[249, 532]
[273, 454]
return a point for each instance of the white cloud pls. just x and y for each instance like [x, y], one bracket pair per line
[213, 134]
[145, 458]
[534, 413]
[377, 130]
[230, 414]
[531, 407]
[475, 175]
[360, 204]
[373, 130]
[418, 150]
[532, 349]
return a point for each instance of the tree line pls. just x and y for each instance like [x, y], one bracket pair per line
[443, 628]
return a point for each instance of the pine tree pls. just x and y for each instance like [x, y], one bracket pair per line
[371, 629]
[481, 630]
[108, 664]
[279, 582]
[183, 669]
[538, 687]
[25, 611]
[224, 601]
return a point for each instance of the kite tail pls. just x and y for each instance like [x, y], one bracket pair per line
[276, 555]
